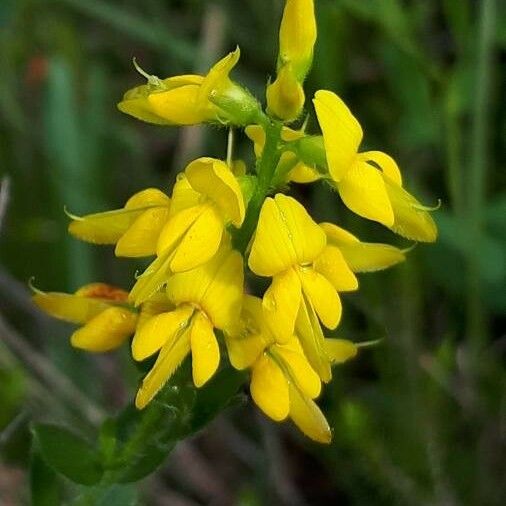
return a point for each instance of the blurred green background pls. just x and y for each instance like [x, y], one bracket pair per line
[419, 420]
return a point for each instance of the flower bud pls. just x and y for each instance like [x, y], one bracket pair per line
[297, 37]
[285, 96]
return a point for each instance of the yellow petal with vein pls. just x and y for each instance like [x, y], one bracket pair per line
[281, 302]
[200, 242]
[322, 296]
[363, 191]
[269, 389]
[205, 350]
[158, 330]
[151, 280]
[141, 239]
[307, 380]
[70, 308]
[333, 266]
[340, 350]
[223, 297]
[309, 332]
[103, 228]
[106, 331]
[285, 236]
[342, 132]
[178, 106]
[168, 361]
[214, 179]
[410, 220]
[370, 257]
[308, 417]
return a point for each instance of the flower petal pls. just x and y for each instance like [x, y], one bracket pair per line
[150, 197]
[280, 303]
[370, 257]
[106, 331]
[70, 308]
[360, 256]
[410, 219]
[141, 239]
[363, 191]
[269, 388]
[256, 134]
[183, 195]
[158, 330]
[342, 132]
[217, 78]
[309, 332]
[223, 296]
[178, 106]
[322, 296]
[103, 228]
[244, 351]
[205, 350]
[285, 236]
[333, 266]
[385, 162]
[300, 370]
[308, 417]
[151, 280]
[303, 174]
[340, 350]
[168, 361]
[214, 179]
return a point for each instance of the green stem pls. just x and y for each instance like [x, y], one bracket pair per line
[266, 168]
[478, 171]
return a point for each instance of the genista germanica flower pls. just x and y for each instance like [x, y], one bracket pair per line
[369, 183]
[205, 298]
[227, 223]
[102, 310]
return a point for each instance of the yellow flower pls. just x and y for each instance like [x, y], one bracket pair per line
[369, 183]
[102, 309]
[283, 383]
[298, 172]
[297, 37]
[134, 229]
[288, 246]
[285, 96]
[193, 99]
[204, 299]
[204, 201]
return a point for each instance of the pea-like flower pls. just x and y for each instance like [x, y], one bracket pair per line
[204, 299]
[283, 383]
[103, 311]
[369, 183]
[288, 246]
[134, 228]
[205, 200]
[193, 99]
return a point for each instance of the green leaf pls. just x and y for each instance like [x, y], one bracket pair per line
[44, 485]
[68, 454]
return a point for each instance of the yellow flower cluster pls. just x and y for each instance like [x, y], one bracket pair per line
[221, 227]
